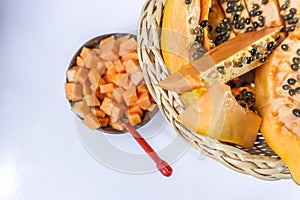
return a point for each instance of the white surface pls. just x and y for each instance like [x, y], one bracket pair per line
[41, 156]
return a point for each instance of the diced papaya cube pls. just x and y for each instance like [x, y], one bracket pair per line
[130, 96]
[81, 109]
[103, 121]
[86, 88]
[151, 108]
[108, 43]
[71, 73]
[79, 61]
[121, 80]
[127, 46]
[109, 87]
[134, 118]
[142, 88]
[110, 77]
[137, 77]
[94, 87]
[97, 51]
[111, 69]
[98, 94]
[135, 109]
[82, 75]
[91, 121]
[91, 100]
[130, 56]
[101, 82]
[131, 66]
[108, 63]
[94, 76]
[118, 95]
[117, 112]
[85, 52]
[108, 54]
[73, 91]
[97, 111]
[117, 125]
[119, 66]
[123, 39]
[91, 60]
[101, 67]
[129, 85]
[144, 101]
[106, 106]
[108, 94]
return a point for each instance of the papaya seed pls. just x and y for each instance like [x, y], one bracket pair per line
[296, 112]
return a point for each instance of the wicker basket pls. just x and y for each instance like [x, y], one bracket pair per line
[260, 161]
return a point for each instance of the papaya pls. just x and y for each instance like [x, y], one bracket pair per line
[278, 101]
[237, 40]
[229, 60]
[290, 13]
[264, 14]
[238, 15]
[177, 38]
[239, 125]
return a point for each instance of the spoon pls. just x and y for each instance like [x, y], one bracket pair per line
[161, 165]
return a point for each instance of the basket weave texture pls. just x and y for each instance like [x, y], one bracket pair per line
[260, 161]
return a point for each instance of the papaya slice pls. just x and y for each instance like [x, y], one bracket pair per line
[290, 13]
[278, 101]
[179, 21]
[239, 125]
[219, 28]
[227, 61]
[238, 15]
[264, 14]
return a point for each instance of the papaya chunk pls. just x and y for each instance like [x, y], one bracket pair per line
[81, 109]
[91, 121]
[73, 91]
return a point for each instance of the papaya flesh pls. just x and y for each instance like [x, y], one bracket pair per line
[264, 15]
[227, 61]
[278, 102]
[290, 13]
[179, 20]
[239, 126]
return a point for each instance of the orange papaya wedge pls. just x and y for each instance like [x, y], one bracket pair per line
[278, 101]
[236, 124]
[227, 61]
[179, 20]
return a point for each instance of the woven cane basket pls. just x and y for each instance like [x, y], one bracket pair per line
[260, 161]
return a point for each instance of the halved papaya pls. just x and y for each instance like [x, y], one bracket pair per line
[179, 21]
[278, 101]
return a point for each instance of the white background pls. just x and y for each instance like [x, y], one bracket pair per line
[41, 156]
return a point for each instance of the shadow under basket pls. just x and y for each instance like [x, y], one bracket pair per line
[260, 161]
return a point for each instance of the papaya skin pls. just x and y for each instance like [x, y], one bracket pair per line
[280, 127]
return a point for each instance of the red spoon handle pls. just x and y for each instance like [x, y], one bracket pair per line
[162, 165]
